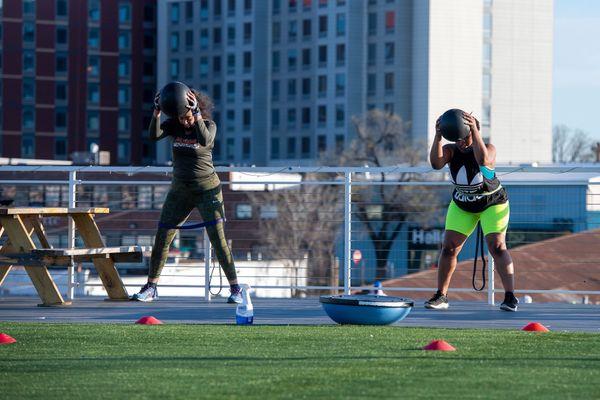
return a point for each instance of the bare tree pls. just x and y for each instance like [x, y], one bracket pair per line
[305, 226]
[571, 145]
[383, 139]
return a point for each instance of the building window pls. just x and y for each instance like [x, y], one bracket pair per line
[292, 59]
[245, 148]
[247, 6]
[292, 4]
[93, 93]
[28, 89]
[246, 119]
[61, 8]
[29, 7]
[174, 69]
[174, 41]
[123, 94]
[60, 119]
[231, 34]
[291, 147]
[28, 145]
[389, 83]
[231, 7]
[216, 92]
[292, 31]
[340, 84]
[321, 143]
[339, 115]
[371, 54]
[28, 118]
[305, 117]
[390, 21]
[322, 25]
[189, 39]
[28, 61]
[322, 3]
[322, 56]
[291, 88]
[305, 58]
[340, 24]
[124, 13]
[203, 66]
[247, 90]
[203, 38]
[61, 35]
[371, 84]
[389, 108]
[123, 151]
[275, 148]
[372, 24]
[247, 60]
[94, 10]
[230, 148]
[231, 63]
[217, 8]
[276, 6]
[306, 87]
[149, 13]
[389, 52]
[94, 38]
[322, 85]
[60, 147]
[275, 118]
[275, 90]
[123, 120]
[124, 40]
[305, 147]
[217, 64]
[322, 115]
[340, 54]
[247, 32]
[268, 211]
[61, 63]
[189, 11]
[291, 117]
[217, 36]
[339, 143]
[243, 211]
[93, 121]
[306, 28]
[124, 68]
[28, 31]
[276, 32]
[174, 13]
[275, 60]
[148, 71]
[61, 91]
[93, 68]
[486, 84]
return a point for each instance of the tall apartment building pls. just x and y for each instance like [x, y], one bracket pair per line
[287, 76]
[77, 72]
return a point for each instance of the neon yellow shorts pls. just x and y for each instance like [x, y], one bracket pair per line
[493, 220]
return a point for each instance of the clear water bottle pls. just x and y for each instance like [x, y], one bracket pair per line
[244, 313]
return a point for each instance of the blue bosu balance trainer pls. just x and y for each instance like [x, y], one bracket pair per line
[366, 309]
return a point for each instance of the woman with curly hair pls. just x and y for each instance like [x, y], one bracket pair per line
[195, 183]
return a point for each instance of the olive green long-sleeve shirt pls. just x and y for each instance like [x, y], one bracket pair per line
[192, 150]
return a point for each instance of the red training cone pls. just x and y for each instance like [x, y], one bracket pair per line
[6, 339]
[149, 320]
[535, 327]
[440, 345]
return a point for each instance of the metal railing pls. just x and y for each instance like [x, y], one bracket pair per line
[365, 210]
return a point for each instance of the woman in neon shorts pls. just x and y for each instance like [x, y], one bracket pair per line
[477, 196]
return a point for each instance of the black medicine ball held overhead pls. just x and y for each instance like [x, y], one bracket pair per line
[173, 99]
[453, 126]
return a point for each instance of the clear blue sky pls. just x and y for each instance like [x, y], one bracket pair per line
[577, 65]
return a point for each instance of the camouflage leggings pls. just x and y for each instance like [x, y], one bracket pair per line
[180, 201]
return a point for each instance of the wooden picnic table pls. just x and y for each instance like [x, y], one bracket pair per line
[20, 223]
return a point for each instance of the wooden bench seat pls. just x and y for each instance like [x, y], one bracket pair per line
[63, 256]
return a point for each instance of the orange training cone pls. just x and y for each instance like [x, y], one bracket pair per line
[149, 320]
[6, 339]
[440, 345]
[535, 327]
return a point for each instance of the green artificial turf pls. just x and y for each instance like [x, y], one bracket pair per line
[81, 361]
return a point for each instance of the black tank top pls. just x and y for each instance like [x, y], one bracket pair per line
[473, 192]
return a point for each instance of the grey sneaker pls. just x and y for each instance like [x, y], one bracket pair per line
[147, 294]
[235, 297]
[510, 302]
[437, 302]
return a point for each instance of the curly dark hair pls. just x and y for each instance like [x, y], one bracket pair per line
[205, 103]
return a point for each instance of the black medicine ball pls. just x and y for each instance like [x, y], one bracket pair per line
[453, 126]
[173, 99]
